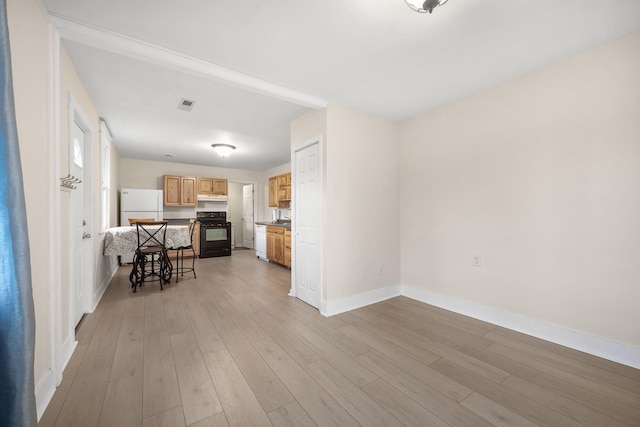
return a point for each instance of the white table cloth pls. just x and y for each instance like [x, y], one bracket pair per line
[124, 240]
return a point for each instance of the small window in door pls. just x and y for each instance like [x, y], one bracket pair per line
[77, 153]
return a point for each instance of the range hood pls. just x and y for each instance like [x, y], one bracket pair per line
[211, 198]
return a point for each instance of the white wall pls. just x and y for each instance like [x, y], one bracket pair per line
[360, 204]
[361, 200]
[29, 39]
[40, 130]
[540, 177]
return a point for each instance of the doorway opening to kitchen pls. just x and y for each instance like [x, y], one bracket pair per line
[241, 213]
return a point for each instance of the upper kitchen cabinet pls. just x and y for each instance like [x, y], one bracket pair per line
[212, 186]
[280, 190]
[273, 191]
[179, 190]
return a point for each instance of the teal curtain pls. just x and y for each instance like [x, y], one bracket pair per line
[17, 334]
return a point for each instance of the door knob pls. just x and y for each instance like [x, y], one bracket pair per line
[86, 235]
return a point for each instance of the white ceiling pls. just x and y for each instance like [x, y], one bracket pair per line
[252, 66]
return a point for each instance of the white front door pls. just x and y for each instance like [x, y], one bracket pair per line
[78, 223]
[307, 217]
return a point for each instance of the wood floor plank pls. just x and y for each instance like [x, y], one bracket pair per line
[530, 409]
[102, 346]
[424, 373]
[240, 404]
[291, 415]
[128, 357]
[427, 331]
[393, 333]
[176, 318]
[346, 365]
[578, 367]
[443, 407]
[359, 405]
[197, 393]
[216, 420]
[609, 390]
[185, 345]
[430, 313]
[301, 352]
[123, 403]
[170, 418]
[562, 404]
[401, 406]
[383, 333]
[604, 404]
[206, 334]
[50, 415]
[266, 385]
[84, 402]
[320, 406]
[161, 391]
[494, 412]
[626, 371]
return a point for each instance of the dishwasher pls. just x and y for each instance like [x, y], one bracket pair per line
[261, 241]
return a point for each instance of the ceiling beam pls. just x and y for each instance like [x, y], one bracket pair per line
[137, 49]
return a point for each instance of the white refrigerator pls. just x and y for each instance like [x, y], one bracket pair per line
[135, 203]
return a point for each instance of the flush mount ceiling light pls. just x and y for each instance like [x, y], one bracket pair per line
[424, 6]
[223, 150]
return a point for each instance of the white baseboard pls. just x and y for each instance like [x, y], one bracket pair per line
[97, 295]
[68, 347]
[44, 392]
[611, 350]
[351, 303]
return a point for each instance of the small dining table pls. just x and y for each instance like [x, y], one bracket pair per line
[124, 240]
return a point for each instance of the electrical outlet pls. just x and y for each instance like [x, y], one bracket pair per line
[380, 269]
[476, 261]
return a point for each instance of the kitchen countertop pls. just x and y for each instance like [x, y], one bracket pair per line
[286, 225]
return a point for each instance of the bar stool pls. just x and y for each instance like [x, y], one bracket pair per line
[180, 268]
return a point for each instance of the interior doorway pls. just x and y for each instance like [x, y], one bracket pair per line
[247, 215]
[241, 210]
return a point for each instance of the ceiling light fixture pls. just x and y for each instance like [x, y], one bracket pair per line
[424, 6]
[223, 150]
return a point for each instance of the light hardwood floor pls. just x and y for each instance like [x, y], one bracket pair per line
[231, 348]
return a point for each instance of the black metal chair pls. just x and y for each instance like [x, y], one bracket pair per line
[151, 244]
[180, 268]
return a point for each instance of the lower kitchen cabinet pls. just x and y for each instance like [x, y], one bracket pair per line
[276, 245]
[287, 248]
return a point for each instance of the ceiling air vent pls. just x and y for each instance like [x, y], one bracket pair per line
[185, 104]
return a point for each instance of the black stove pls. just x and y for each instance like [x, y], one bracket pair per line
[215, 234]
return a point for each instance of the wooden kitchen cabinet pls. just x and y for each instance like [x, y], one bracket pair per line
[273, 191]
[172, 188]
[280, 190]
[287, 248]
[219, 187]
[213, 186]
[205, 185]
[188, 191]
[179, 190]
[275, 244]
